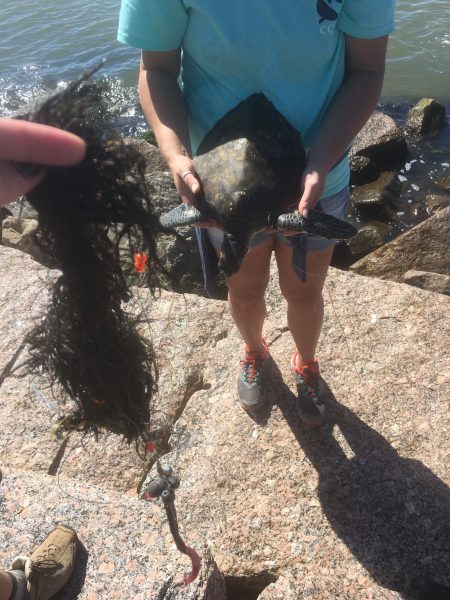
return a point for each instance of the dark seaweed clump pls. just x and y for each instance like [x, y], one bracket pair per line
[88, 346]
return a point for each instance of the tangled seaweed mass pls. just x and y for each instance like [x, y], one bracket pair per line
[87, 344]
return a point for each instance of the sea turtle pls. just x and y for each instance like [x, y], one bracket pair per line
[250, 165]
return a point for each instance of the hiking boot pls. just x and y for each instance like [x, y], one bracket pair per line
[251, 381]
[48, 569]
[310, 405]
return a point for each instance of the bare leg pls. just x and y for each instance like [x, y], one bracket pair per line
[305, 302]
[6, 586]
[246, 294]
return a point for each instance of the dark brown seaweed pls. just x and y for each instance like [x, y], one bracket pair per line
[88, 344]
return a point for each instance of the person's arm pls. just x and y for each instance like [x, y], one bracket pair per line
[350, 109]
[25, 142]
[163, 105]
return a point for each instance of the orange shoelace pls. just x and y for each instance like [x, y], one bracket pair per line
[251, 364]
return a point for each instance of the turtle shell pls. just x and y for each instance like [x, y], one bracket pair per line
[250, 165]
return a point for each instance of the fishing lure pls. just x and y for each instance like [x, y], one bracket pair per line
[164, 487]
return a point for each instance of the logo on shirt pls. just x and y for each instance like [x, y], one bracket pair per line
[328, 11]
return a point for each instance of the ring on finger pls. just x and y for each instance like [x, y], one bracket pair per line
[183, 175]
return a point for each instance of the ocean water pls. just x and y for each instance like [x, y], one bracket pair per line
[46, 43]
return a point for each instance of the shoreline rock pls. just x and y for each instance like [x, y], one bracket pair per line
[359, 507]
[377, 195]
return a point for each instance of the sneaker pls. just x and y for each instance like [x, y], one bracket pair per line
[48, 569]
[310, 405]
[251, 381]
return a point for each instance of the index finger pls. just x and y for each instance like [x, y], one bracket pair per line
[35, 143]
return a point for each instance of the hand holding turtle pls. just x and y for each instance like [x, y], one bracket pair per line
[313, 184]
[187, 183]
[185, 178]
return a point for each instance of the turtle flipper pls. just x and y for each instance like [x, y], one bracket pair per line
[232, 254]
[184, 214]
[318, 223]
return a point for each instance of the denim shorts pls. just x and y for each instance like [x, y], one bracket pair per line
[335, 205]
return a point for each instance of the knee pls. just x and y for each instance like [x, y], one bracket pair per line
[303, 298]
[247, 296]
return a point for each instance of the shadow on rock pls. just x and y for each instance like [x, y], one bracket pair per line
[75, 584]
[274, 383]
[393, 513]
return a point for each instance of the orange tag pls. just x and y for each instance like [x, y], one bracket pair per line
[97, 401]
[140, 260]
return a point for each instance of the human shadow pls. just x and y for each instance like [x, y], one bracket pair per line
[393, 513]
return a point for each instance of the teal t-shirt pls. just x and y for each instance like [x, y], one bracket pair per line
[291, 50]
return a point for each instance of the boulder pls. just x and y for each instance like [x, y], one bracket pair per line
[378, 197]
[19, 233]
[125, 551]
[444, 182]
[362, 170]
[426, 117]
[436, 202]
[174, 322]
[4, 212]
[382, 141]
[433, 282]
[358, 508]
[22, 209]
[422, 248]
[155, 161]
[344, 505]
[368, 238]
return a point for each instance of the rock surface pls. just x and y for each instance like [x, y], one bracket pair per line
[355, 510]
[422, 248]
[433, 282]
[126, 548]
[378, 196]
[19, 233]
[426, 117]
[368, 238]
[382, 141]
[435, 202]
[175, 322]
[362, 170]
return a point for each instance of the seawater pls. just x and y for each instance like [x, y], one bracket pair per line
[44, 44]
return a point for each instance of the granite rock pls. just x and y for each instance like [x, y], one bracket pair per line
[20, 234]
[125, 551]
[435, 202]
[382, 141]
[422, 248]
[433, 282]
[363, 503]
[357, 509]
[379, 196]
[368, 238]
[426, 117]
[24, 288]
[29, 410]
